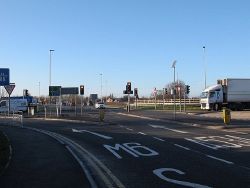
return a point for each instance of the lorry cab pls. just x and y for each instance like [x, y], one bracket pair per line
[212, 98]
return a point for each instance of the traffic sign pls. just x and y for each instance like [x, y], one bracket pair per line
[54, 90]
[9, 88]
[69, 91]
[4, 76]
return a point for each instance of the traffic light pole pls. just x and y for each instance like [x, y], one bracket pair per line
[185, 100]
[163, 95]
[81, 105]
[135, 102]
[128, 103]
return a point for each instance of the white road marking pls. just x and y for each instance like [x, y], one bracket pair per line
[234, 132]
[240, 141]
[222, 160]
[130, 129]
[96, 134]
[211, 146]
[159, 172]
[159, 139]
[142, 133]
[182, 147]
[86, 171]
[195, 125]
[134, 149]
[162, 127]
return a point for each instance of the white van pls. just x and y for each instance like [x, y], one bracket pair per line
[15, 105]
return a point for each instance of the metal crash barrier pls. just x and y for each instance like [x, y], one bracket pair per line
[226, 115]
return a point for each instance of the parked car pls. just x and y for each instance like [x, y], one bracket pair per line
[100, 105]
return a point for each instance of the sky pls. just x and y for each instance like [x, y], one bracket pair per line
[116, 41]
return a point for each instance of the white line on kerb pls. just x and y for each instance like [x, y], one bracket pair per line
[182, 147]
[159, 139]
[142, 133]
[222, 160]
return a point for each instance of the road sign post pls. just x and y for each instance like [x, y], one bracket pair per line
[9, 89]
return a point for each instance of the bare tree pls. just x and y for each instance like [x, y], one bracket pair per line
[180, 89]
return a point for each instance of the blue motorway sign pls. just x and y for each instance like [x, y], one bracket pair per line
[4, 77]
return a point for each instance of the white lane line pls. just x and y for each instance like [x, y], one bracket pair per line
[96, 134]
[182, 147]
[177, 131]
[121, 126]
[234, 132]
[159, 139]
[163, 127]
[142, 133]
[222, 160]
[130, 129]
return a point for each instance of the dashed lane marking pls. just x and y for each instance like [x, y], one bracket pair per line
[222, 160]
[182, 147]
[159, 139]
[130, 129]
[142, 133]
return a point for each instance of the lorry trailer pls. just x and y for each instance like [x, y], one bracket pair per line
[233, 93]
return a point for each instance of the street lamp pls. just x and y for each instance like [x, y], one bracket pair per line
[50, 52]
[174, 92]
[205, 71]
[101, 86]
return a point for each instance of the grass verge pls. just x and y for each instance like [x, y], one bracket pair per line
[4, 152]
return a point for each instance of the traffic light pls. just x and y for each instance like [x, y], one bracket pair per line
[81, 89]
[128, 87]
[25, 92]
[187, 89]
[166, 91]
[136, 92]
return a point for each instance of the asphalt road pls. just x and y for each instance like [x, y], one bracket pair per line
[148, 150]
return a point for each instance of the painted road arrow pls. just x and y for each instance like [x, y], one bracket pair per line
[96, 134]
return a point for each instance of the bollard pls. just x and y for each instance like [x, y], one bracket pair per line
[101, 114]
[226, 116]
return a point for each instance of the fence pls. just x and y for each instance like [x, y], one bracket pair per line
[194, 101]
[12, 119]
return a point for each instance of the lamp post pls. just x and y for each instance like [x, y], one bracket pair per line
[50, 52]
[39, 90]
[101, 86]
[174, 93]
[205, 67]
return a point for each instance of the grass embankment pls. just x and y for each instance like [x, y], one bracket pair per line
[4, 152]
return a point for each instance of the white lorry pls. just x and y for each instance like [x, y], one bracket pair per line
[16, 105]
[233, 93]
